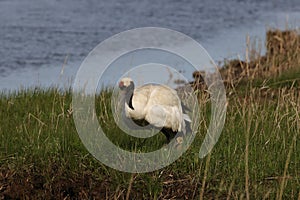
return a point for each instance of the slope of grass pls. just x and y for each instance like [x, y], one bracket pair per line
[42, 155]
[256, 157]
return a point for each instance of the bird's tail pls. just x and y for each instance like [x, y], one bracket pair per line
[187, 118]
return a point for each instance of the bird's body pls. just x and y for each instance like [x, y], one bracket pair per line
[157, 105]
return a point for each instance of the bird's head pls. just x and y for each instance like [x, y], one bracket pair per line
[126, 84]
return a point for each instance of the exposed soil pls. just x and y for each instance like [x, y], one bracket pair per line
[31, 185]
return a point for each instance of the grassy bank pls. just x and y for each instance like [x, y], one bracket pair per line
[257, 155]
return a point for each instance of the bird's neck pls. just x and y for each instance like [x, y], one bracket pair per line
[128, 99]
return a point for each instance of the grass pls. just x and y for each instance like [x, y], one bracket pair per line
[256, 157]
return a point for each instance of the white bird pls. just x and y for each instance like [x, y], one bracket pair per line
[157, 105]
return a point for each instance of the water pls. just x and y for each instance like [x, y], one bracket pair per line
[44, 42]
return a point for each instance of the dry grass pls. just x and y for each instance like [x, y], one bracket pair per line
[282, 55]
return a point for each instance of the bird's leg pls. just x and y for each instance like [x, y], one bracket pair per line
[168, 136]
[168, 133]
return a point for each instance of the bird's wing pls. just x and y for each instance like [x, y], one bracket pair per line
[156, 115]
[165, 116]
[164, 108]
[156, 94]
[164, 96]
[160, 106]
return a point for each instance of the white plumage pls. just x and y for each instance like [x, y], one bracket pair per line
[158, 105]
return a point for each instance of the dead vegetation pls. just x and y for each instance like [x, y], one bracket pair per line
[282, 55]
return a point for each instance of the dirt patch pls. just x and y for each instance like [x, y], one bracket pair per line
[85, 185]
[30, 184]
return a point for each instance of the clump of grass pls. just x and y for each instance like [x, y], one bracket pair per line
[256, 157]
[282, 56]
